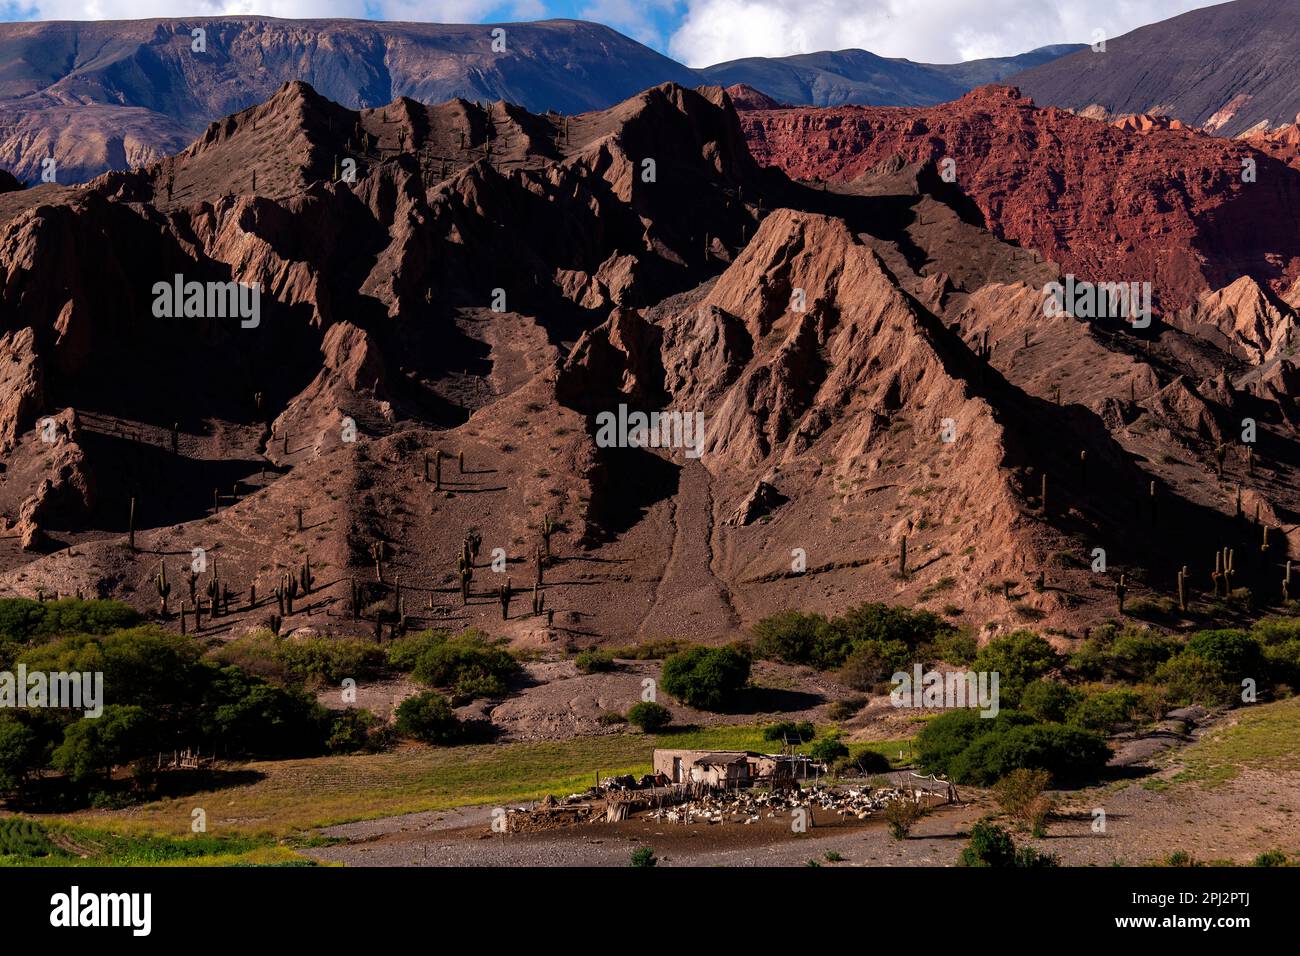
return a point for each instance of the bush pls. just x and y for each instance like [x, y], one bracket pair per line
[708, 678]
[956, 647]
[872, 662]
[92, 747]
[798, 638]
[356, 730]
[1019, 658]
[24, 838]
[789, 731]
[469, 664]
[649, 717]
[1048, 700]
[327, 660]
[1271, 858]
[970, 749]
[644, 856]
[1020, 796]
[828, 749]
[991, 845]
[405, 652]
[1105, 710]
[20, 753]
[23, 620]
[429, 718]
[1234, 654]
[1130, 654]
[1190, 679]
[901, 815]
[593, 661]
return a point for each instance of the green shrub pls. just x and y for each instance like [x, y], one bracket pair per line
[1130, 654]
[970, 749]
[644, 856]
[429, 718]
[469, 664]
[94, 747]
[991, 845]
[1105, 710]
[828, 749]
[23, 620]
[789, 636]
[592, 661]
[707, 678]
[1018, 658]
[649, 716]
[1271, 858]
[901, 815]
[356, 730]
[20, 753]
[1235, 654]
[956, 647]
[799, 638]
[328, 660]
[405, 652]
[872, 662]
[1191, 679]
[789, 731]
[1020, 795]
[1048, 700]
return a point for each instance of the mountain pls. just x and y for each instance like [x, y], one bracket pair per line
[1227, 68]
[111, 94]
[1136, 201]
[106, 95]
[444, 340]
[856, 76]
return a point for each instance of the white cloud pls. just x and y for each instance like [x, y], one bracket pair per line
[434, 11]
[935, 31]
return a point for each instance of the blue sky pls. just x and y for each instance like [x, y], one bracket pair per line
[700, 32]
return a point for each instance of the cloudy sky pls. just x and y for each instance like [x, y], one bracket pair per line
[700, 32]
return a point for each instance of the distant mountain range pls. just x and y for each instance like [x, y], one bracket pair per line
[856, 76]
[1228, 68]
[113, 94]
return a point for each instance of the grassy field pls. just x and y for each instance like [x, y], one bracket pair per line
[263, 818]
[1260, 737]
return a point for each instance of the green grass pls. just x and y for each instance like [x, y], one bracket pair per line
[1259, 737]
[25, 842]
[296, 796]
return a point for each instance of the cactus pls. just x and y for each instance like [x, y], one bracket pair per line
[1121, 589]
[299, 514]
[216, 501]
[1220, 454]
[460, 462]
[252, 595]
[1083, 466]
[274, 622]
[1182, 589]
[198, 616]
[377, 553]
[355, 599]
[548, 529]
[306, 577]
[902, 556]
[507, 592]
[437, 470]
[1250, 459]
[1264, 545]
[1042, 492]
[1286, 583]
[466, 573]
[183, 617]
[1151, 494]
[163, 587]
[538, 555]
[130, 527]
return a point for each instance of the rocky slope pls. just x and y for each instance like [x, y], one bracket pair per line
[889, 414]
[1229, 68]
[104, 95]
[1137, 200]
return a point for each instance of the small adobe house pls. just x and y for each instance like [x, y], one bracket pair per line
[728, 768]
